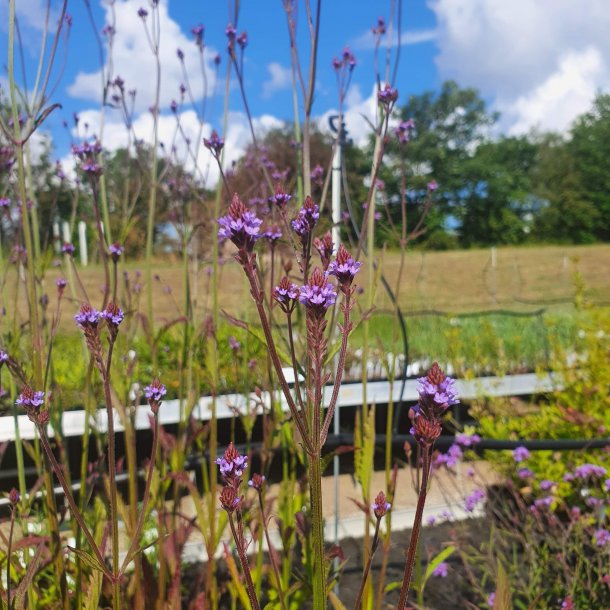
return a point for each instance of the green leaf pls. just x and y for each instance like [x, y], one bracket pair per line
[436, 561]
[19, 601]
[503, 600]
[89, 560]
[335, 602]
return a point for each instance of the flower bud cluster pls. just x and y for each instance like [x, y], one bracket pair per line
[33, 403]
[154, 393]
[232, 466]
[437, 393]
[380, 506]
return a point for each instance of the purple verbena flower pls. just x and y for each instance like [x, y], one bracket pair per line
[567, 604]
[234, 344]
[441, 570]
[344, 267]
[404, 130]
[155, 391]
[113, 314]
[520, 454]
[544, 502]
[115, 250]
[280, 198]
[387, 96]
[525, 473]
[5, 202]
[87, 317]
[68, 249]
[586, 471]
[232, 464]
[3, 357]
[602, 537]
[467, 440]
[29, 399]
[473, 499]
[380, 506]
[432, 186]
[286, 294]
[545, 484]
[273, 234]
[240, 225]
[214, 143]
[318, 294]
[61, 283]
[142, 13]
[306, 219]
[257, 481]
[242, 40]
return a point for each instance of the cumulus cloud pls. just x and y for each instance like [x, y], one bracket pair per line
[115, 137]
[30, 13]
[133, 60]
[535, 59]
[279, 78]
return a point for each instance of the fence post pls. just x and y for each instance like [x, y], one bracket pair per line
[82, 243]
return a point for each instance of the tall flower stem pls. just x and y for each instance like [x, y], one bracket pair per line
[272, 556]
[70, 499]
[9, 552]
[421, 501]
[317, 519]
[367, 567]
[243, 558]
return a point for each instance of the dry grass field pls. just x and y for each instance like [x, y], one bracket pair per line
[457, 281]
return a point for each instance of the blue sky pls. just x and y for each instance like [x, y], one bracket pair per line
[538, 62]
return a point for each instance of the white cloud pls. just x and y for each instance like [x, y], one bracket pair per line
[30, 13]
[115, 136]
[358, 111]
[554, 103]
[366, 42]
[134, 62]
[279, 78]
[541, 61]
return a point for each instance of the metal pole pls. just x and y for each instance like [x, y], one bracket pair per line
[336, 235]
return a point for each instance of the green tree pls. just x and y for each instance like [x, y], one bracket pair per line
[590, 148]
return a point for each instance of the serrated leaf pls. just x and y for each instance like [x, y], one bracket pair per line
[88, 560]
[26, 581]
[92, 602]
[327, 459]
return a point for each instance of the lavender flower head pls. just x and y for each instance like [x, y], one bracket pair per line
[306, 219]
[344, 267]
[273, 234]
[586, 471]
[437, 393]
[113, 315]
[286, 294]
[232, 464]
[68, 249]
[387, 96]
[3, 357]
[318, 294]
[441, 570]
[87, 317]
[240, 225]
[234, 344]
[380, 506]
[155, 391]
[115, 250]
[602, 537]
[257, 481]
[29, 399]
[61, 283]
[520, 454]
[404, 130]
[280, 198]
[214, 143]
